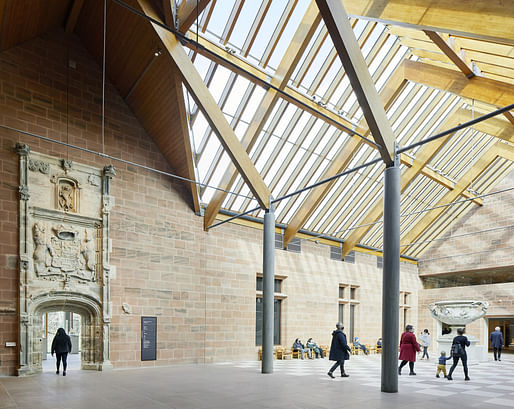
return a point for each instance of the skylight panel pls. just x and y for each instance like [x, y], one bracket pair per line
[337, 146]
[207, 157]
[219, 82]
[199, 128]
[397, 59]
[285, 119]
[236, 95]
[329, 77]
[268, 27]
[306, 52]
[269, 148]
[241, 129]
[410, 106]
[254, 103]
[220, 170]
[420, 111]
[277, 163]
[299, 201]
[288, 33]
[244, 23]
[329, 133]
[238, 202]
[318, 62]
[381, 55]
[312, 134]
[299, 127]
[219, 17]
[372, 39]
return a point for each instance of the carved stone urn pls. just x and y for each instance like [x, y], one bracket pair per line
[457, 314]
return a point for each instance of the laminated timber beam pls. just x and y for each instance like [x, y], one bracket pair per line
[183, 130]
[463, 18]
[499, 149]
[73, 17]
[200, 93]
[493, 92]
[450, 53]
[350, 54]
[187, 13]
[296, 48]
[222, 57]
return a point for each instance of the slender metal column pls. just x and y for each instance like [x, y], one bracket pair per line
[268, 280]
[391, 278]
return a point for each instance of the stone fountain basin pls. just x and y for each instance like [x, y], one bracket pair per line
[458, 312]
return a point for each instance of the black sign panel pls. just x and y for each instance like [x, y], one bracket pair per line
[148, 338]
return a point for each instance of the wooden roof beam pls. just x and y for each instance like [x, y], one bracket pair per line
[463, 18]
[493, 92]
[187, 13]
[183, 130]
[343, 37]
[296, 48]
[450, 53]
[73, 17]
[203, 98]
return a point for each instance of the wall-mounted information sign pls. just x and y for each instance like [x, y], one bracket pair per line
[148, 338]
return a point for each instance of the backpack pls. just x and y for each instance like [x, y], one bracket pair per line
[457, 350]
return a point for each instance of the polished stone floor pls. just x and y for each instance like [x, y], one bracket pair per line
[294, 384]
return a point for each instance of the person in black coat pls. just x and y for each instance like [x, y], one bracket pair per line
[497, 343]
[339, 350]
[61, 346]
[464, 342]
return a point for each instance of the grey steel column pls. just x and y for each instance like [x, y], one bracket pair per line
[268, 280]
[391, 278]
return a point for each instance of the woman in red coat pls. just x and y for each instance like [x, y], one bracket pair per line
[408, 348]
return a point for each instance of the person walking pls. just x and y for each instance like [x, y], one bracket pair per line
[497, 343]
[339, 351]
[61, 346]
[459, 344]
[408, 348]
[425, 342]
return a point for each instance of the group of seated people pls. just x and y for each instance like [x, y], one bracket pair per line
[308, 348]
[311, 347]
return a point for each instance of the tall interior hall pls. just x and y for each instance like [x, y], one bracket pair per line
[145, 144]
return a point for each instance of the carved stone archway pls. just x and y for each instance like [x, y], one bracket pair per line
[64, 253]
[92, 356]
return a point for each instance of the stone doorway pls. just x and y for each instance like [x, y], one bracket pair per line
[91, 331]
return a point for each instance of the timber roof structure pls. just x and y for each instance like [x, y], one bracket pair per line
[250, 99]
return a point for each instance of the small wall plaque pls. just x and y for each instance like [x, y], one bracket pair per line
[10, 344]
[148, 338]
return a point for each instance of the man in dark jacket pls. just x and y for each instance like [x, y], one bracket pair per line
[61, 345]
[339, 350]
[496, 339]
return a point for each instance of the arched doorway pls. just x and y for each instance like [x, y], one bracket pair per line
[91, 331]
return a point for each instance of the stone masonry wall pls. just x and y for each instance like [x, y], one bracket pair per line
[200, 286]
[483, 239]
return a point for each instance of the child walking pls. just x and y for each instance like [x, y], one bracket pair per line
[442, 364]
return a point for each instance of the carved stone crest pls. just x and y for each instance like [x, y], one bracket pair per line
[66, 253]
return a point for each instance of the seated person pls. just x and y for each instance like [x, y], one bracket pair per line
[357, 344]
[298, 346]
[314, 347]
[379, 343]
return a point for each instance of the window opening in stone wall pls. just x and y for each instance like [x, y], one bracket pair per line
[404, 309]
[279, 241]
[379, 262]
[295, 245]
[350, 257]
[277, 308]
[352, 322]
[341, 312]
[276, 286]
[336, 253]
